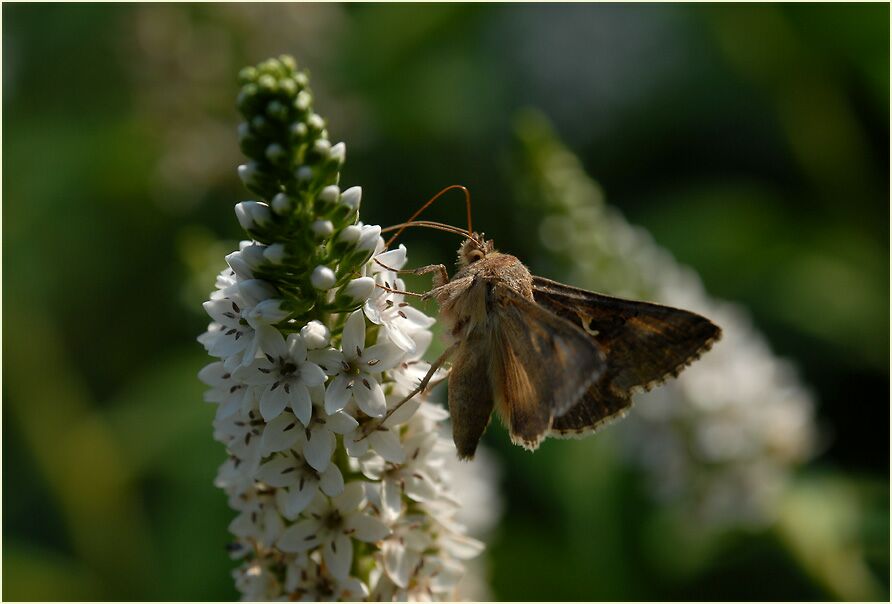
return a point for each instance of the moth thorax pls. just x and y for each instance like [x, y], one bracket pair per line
[473, 250]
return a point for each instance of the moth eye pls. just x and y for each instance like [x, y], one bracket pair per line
[475, 255]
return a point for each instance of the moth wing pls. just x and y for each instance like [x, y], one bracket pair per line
[644, 343]
[542, 365]
[470, 394]
[599, 406]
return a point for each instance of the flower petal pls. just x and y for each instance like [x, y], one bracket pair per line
[392, 258]
[404, 413]
[271, 341]
[337, 395]
[416, 319]
[311, 374]
[213, 374]
[340, 422]
[331, 481]
[294, 500]
[400, 338]
[319, 448]
[297, 348]
[419, 487]
[398, 562]
[369, 395]
[365, 528]
[280, 434]
[328, 359]
[300, 403]
[272, 403]
[353, 339]
[356, 447]
[300, 537]
[390, 498]
[381, 357]
[350, 500]
[387, 444]
[280, 471]
[338, 554]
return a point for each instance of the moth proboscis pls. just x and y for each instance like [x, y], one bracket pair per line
[551, 359]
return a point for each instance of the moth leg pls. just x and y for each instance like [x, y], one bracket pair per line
[440, 278]
[373, 425]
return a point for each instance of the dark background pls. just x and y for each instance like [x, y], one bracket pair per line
[752, 141]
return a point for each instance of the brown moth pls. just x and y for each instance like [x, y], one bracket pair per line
[551, 359]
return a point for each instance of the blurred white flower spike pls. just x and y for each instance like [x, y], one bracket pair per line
[724, 439]
[309, 351]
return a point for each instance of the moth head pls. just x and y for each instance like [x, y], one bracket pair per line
[473, 249]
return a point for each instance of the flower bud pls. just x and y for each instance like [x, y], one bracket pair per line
[256, 290]
[252, 255]
[252, 214]
[315, 335]
[241, 267]
[322, 229]
[316, 122]
[330, 194]
[368, 239]
[322, 278]
[338, 152]
[358, 290]
[322, 147]
[304, 173]
[281, 204]
[276, 109]
[275, 153]
[275, 253]
[269, 311]
[350, 235]
[352, 197]
[255, 179]
[298, 129]
[303, 100]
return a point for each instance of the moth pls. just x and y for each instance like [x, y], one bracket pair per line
[550, 359]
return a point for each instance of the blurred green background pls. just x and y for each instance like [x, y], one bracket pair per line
[752, 141]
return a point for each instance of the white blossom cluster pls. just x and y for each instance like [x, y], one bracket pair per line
[724, 438]
[324, 514]
[336, 497]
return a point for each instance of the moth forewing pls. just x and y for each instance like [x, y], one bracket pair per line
[645, 343]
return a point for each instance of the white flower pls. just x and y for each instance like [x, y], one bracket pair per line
[241, 318]
[310, 583]
[410, 477]
[355, 369]
[241, 435]
[323, 278]
[259, 520]
[385, 438]
[315, 334]
[227, 391]
[412, 369]
[331, 525]
[296, 479]
[286, 375]
[256, 582]
[399, 321]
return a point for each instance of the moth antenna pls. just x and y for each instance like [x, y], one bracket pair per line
[432, 200]
[439, 226]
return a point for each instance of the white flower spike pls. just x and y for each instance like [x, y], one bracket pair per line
[308, 350]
